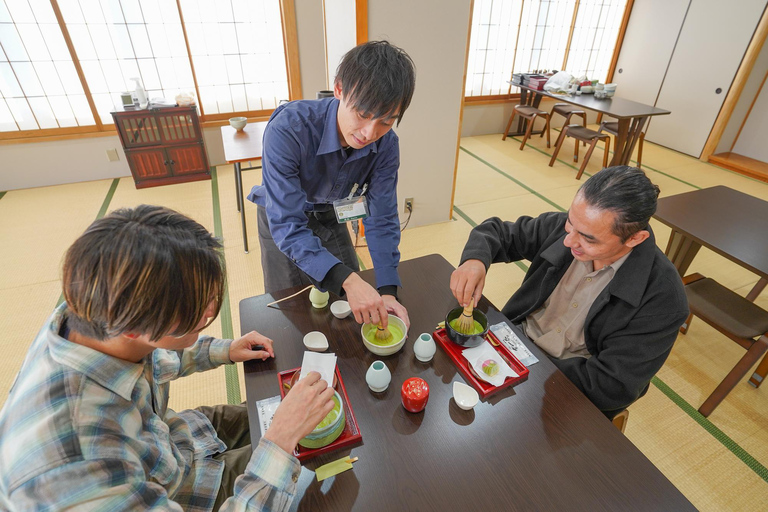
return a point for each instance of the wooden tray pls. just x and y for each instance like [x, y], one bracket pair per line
[483, 388]
[349, 436]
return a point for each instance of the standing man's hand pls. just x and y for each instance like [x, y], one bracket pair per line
[467, 282]
[397, 309]
[365, 301]
[302, 409]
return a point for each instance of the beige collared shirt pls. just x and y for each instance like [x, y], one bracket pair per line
[558, 325]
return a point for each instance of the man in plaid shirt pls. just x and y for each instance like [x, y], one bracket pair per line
[87, 425]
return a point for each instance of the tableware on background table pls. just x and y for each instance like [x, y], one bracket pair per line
[238, 123]
[610, 90]
[587, 89]
[424, 347]
[414, 394]
[318, 298]
[466, 340]
[465, 396]
[399, 334]
[316, 341]
[340, 309]
[378, 377]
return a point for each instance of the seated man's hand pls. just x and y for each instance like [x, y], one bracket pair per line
[302, 409]
[397, 309]
[467, 282]
[242, 349]
[365, 301]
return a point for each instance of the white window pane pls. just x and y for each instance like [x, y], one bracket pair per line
[228, 38]
[203, 71]
[167, 74]
[27, 77]
[54, 42]
[132, 11]
[208, 99]
[140, 41]
[149, 74]
[253, 95]
[43, 11]
[43, 113]
[94, 76]
[158, 40]
[121, 41]
[113, 75]
[183, 73]
[69, 78]
[82, 110]
[268, 95]
[63, 111]
[207, 10]
[81, 39]
[9, 86]
[223, 98]
[22, 114]
[212, 39]
[113, 12]
[11, 43]
[176, 44]
[130, 69]
[218, 71]
[234, 69]
[102, 41]
[196, 39]
[70, 10]
[91, 11]
[169, 12]
[48, 76]
[33, 41]
[5, 17]
[7, 123]
[238, 97]
[191, 11]
[20, 11]
[104, 106]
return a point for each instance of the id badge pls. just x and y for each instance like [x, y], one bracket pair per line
[348, 209]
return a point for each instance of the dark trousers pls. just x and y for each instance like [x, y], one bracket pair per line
[231, 425]
[280, 272]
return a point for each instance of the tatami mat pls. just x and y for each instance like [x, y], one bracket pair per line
[717, 463]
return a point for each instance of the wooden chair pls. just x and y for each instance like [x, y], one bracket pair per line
[620, 420]
[757, 378]
[612, 127]
[733, 315]
[566, 110]
[529, 113]
[579, 133]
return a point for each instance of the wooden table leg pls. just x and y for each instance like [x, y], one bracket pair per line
[240, 202]
[681, 250]
[626, 139]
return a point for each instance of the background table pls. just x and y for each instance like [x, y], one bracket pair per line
[239, 147]
[729, 222]
[632, 116]
[540, 445]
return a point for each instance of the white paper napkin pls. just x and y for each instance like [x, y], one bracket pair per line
[322, 363]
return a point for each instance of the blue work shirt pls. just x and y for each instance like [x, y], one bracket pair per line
[305, 168]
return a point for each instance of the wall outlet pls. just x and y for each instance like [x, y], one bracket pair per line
[408, 205]
[112, 155]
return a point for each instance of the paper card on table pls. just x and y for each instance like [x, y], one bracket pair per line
[334, 468]
[488, 364]
[512, 341]
[266, 409]
[324, 364]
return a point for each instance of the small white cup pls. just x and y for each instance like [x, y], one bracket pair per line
[378, 377]
[424, 347]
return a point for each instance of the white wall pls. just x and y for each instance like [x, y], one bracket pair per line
[434, 33]
[309, 28]
[340, 34]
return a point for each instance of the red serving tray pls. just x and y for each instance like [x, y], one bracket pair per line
[349, 436]
[485, 389]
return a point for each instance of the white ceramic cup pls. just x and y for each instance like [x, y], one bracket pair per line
[424, 347]
[378, 377]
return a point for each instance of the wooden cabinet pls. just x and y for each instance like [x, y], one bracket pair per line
[163, 145]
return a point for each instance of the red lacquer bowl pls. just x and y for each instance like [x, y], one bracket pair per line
[415, 394]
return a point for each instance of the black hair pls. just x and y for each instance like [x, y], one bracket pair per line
[378, 79]
[627, 192]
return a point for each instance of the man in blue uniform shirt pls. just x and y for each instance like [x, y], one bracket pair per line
[337, 158]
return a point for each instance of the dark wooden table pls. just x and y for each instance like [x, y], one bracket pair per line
[632, 116]
[540, 445]
[729, 222]
[242, 146]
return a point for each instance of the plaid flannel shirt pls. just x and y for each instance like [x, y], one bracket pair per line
[84, 430]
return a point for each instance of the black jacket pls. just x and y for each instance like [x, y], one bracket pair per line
[631, 326]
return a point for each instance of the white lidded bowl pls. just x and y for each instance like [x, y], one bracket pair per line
[389, 348]
[465, 396]
[238, 123]
[316, 341]
[341, 309]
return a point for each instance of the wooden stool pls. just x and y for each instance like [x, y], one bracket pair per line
[612, 127]
[584, 135]
[736, 317]
[530, 113]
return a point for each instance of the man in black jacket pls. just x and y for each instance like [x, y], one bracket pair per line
[599, 298]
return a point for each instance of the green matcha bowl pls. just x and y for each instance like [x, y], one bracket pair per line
[385, 348]
[329, 429]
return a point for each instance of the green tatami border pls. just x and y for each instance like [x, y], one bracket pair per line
[227, 331]
[691, 411]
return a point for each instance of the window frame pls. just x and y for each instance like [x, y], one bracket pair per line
[504, 98]
[290, 44]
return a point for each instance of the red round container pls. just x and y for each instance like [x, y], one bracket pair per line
[414, 394]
